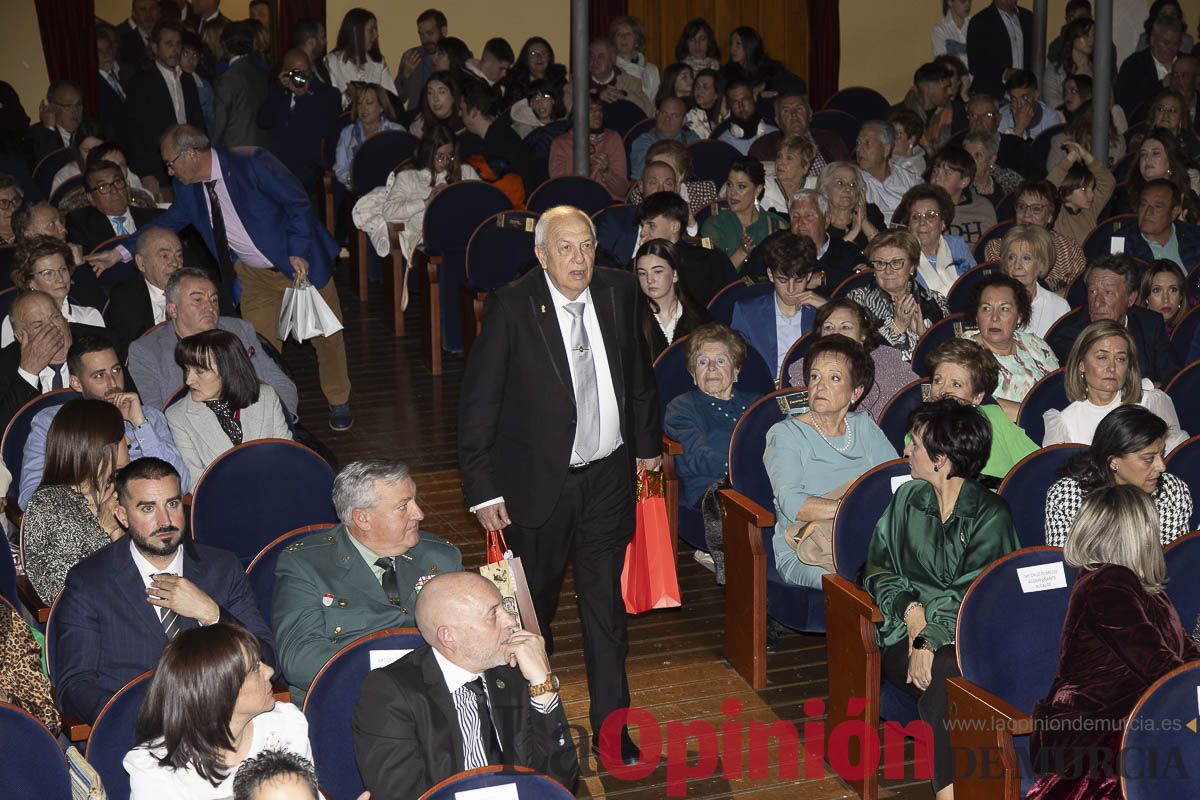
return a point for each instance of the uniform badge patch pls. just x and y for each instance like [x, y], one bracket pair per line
[420, 584]
[327, 600]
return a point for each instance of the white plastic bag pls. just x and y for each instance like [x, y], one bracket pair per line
[305, 314]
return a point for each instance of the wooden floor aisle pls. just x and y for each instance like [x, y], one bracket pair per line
[675, 668]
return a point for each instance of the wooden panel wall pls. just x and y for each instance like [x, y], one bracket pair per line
[783, 25]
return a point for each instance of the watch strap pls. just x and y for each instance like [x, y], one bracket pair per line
[545, 687]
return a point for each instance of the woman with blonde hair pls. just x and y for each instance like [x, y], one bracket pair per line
[850, 215]
[1026, 256]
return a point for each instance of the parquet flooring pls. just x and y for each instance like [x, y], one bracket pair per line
[675, 667]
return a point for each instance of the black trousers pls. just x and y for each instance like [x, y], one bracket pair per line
[591, 525]
[931, 703]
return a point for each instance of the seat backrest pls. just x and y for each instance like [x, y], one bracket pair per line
[1076, 313]
[1183, 565]
[261, 572]
[1077, 292]
[456, 211]
[861, 507]
[377, 157]
[671, 376]
[860, 102]
[1183, 391]
[8, 580]
[633, 133]
[51, 163]
[12, 446]
[329, 705]
[114, 734]
[720, 308]
[844, 125]
[1041, 142]
[959, 296]
[622, 115]
[31, 765]
[1025, 487]
[65, 188]
[1016, 662]
[1099, 241]
[486, 781]
[580, 191]
[1184, 463]
[711, 159]
[498, 248]
[258, 491]
[1158, 747]
[941, 331]
[747, 472]
[1050, 392]
[861, 280]
[893, 419]
[794, 355]
[7, 298]
[1185, 331]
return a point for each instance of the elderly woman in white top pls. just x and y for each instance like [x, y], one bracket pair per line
[629, 37]
[1101, 374]
[1026, 256]
[356, 57]
[44, 263]
[927, 210]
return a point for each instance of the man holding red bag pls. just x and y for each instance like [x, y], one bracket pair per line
[557, 413]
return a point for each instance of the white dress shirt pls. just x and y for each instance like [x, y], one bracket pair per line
[148, 570]
[85, 315]
[44, 380]
[158, 302]
[1012, 23]
[175, 87]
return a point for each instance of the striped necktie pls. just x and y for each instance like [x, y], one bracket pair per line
[170, 622]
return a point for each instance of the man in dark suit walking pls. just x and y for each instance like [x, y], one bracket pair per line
[481, 693]
[999, 38]
[558, 402]
[1142, 75]
[159, 98]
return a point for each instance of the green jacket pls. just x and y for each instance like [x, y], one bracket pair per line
[914, 556]
[326, 597]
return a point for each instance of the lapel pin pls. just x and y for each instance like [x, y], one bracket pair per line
[500, 684]
[543, 309]
[327, 600]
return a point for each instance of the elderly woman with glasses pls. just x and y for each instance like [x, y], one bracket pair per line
[850, 215]
[927, 211]
[11, 198]
[901, 308]
[45, 264]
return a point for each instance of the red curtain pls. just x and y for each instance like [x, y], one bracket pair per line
[68, 29]
[824, 51]
[602, 12]
[289, 12]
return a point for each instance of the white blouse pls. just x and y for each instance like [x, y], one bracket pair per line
[1078, 422]
[342, 73]
[1048, 308]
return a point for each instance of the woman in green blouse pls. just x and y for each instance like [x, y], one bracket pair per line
[940, 530]
[739, 229]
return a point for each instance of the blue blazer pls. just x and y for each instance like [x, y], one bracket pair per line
[272, 205]
[1186, 234]
[754, 318]
[105, 633]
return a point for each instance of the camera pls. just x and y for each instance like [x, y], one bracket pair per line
[298, 78]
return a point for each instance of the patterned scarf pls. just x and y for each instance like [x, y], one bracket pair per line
[229, 419]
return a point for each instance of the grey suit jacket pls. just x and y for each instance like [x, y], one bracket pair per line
[201, 439]
[240, 92]
[157, 376]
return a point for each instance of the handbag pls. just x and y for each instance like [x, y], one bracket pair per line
[85, 781]
[304, 314]
[648, 579]
[505, 571]
[813, 541]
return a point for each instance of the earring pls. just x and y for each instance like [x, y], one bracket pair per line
[935, 468]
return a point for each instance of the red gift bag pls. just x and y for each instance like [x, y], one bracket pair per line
[648, 579]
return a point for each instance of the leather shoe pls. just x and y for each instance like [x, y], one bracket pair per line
[630, 753]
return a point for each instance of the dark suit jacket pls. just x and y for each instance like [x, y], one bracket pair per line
[88, 226]
[298, 133]
[15, 391]
[150, 114]
[1156, 358]
[132, 51]
[45, 141]
[1186, 235]
[1016, 154]
[112, 110]
[129, 313]
[517, 409]
[407, 737]
[706, 270]
[106, 633]
[1137, 82]
[839, 261]
[239, 93]
[989, 50]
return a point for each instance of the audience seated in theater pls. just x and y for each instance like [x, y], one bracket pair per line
[377, 560]
[900, 308]
[34, 221]
[996, 34]
[416, 65]
[1121, 634]
[851, 216]
[930, 98]
[1164, 289]
[98, 375]
[451, 56]
[89, 137]
[407, 735]
[629, 38]
[70, 516]
[1025, 115]
[142, 193]
[240, 91]
[749, 61]
[668, 125]
[702, 421]
[1126, 450]
[1013, 152]
[1000, 310]
[153, 107]
[108, 213]
[1161, 232]
[838, 259]
[697, 46]
[59, 118]
[1160, 157]
[1112, 283]
[11, 198]
[44, 264]
[541, 105]
[966, 372]
[669, 311]
[793, 115]
[209, 707]
[928, 212]
[953, 170]
[744, 125]
[698, 194]
[371, 113]
[608, 81]
[1139, 76]
[22, 682]
[192, 307]
[892, 372]
[139, 303]
[1078, 109]
[276, 774]
[502, 159]
[356, 57]
[663, 215]
[606, 153]
[534, 63]
[1026, 254]
[408, 192]
[791, 162]
[1168, 110]
[439, 105]
[960, 86]
[908, 128]
[299, 118]
[992, 181]
[708, 110]
[192, 52]
[773, 322]
[884, 184]
[744, 225]
[110, 629]
[493, 65]
[812, 458]
[939, 531]
[224, 406]
[678, 80]
[1101, 374]
[1084, 187]
[134, 34]
[1037, 204]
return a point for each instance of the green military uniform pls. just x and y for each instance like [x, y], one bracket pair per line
[327, 594]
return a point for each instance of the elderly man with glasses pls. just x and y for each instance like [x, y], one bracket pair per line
[109, 214]
[60, 115]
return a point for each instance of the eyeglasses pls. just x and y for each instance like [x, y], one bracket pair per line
[117, 185]
[169, 165]
[1031, 208]
[920, 216]
[982, 115]
[538, 54]
[841, 184]
[51, 274]
[14, 203]
[895, 265]
[69, 106]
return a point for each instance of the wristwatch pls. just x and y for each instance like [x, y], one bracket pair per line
[545, 687]
[921, 643]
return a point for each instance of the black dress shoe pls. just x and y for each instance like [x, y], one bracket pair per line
[630, 753]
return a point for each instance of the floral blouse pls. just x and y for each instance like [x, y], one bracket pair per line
[1031, 359]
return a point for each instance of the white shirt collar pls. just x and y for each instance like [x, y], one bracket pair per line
[455, 676]
[167, 72]
[148, 570]
[559, 299]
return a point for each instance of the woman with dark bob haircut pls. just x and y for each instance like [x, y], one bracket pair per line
[224, 405]
[939, 531]
[210, 706]
[1127, 450]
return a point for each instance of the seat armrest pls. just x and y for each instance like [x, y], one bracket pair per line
[983, 725]
[31, 601]
[745, 585]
